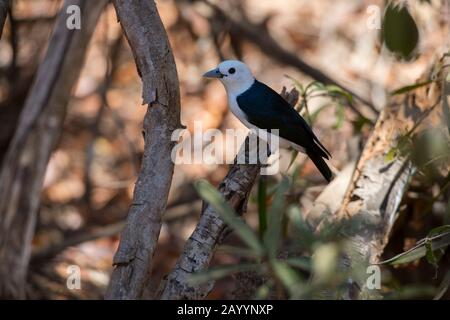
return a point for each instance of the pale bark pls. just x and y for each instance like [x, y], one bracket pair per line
[38, 130]
[329, 201]
[378, 184]
[156, 65]
[211, 229]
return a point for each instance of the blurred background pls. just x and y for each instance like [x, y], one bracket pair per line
[90, 177]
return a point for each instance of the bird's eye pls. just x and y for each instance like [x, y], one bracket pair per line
[232, 70]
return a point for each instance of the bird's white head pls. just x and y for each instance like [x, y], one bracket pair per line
[235, 76]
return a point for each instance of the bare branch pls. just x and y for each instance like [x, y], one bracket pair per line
[172, 214]
[156, 66]
[38, 130]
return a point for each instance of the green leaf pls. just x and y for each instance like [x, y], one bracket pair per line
[437, 241]
[287, 276]
[410, 87]
[301, 105]
[264, 290]
[294, 155]
[316, 85]
[411, 292]
[238, 251]
[391, 155]
[304, 263]
[359, 123]
[275, 216]
[439, 230]
[399, 31]
[222, 272]
[303, 233]
[431, 258]
[340, 116]
[332, 89]
[209, 194]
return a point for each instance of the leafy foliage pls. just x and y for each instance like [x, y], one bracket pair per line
[274, 254]
[338, 98]
[437, 239]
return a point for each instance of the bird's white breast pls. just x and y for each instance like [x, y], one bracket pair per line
[237, 111]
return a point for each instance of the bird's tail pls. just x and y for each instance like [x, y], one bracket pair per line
[320, 164]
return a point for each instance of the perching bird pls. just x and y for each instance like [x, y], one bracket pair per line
[258, 106]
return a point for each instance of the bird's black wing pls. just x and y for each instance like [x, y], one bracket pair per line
[266, 109]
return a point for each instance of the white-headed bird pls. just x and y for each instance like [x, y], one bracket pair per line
[257, 106]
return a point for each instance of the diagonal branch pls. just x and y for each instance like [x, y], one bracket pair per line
[211, 229]
[156, 66]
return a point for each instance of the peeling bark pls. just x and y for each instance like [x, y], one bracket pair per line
[39, 127]
[330, 199]
[378, 184]
[210, 230]
[156, 66]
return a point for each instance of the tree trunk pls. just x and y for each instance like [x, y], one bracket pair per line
[156, 66]
[378, 183]
[39, 128]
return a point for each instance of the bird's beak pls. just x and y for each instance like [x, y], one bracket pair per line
[214, 73]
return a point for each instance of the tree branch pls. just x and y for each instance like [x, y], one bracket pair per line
[39, 128]
[156, 66]
[211, 229]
